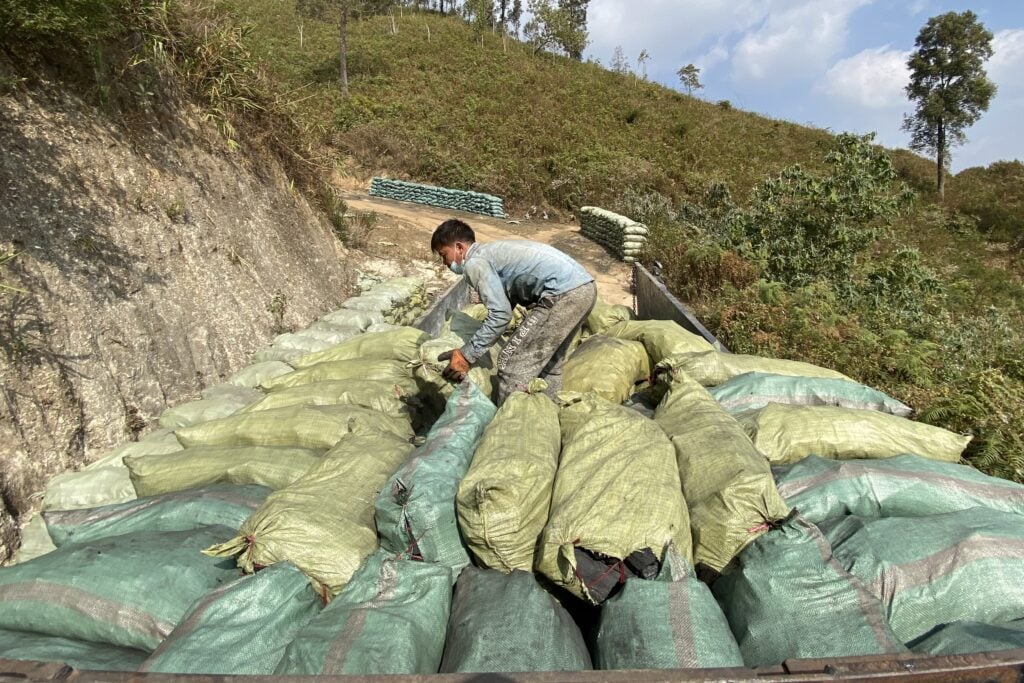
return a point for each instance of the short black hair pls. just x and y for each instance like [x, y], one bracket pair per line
[451, 231]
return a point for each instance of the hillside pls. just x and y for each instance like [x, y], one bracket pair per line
[928, 303]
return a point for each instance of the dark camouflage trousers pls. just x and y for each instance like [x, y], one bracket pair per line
[539, 345]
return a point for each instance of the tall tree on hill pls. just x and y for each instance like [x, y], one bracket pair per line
[689, 76]
[948, 83]
[341, 11]
[576, 16]
[552, 27]
[515, 16]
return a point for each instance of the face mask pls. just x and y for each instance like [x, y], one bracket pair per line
[457, 268]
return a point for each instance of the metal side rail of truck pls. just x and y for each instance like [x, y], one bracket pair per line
[653, 301]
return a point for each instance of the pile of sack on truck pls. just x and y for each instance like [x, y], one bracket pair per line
[346, 510]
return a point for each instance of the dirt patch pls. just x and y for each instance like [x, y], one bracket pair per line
[404, 229]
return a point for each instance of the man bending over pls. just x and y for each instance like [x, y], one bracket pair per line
[510, 272]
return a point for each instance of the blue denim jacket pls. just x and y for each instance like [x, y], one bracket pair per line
[510, 272]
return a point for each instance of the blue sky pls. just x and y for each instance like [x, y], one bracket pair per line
[835, 64]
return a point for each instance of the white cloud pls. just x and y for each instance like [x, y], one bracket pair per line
[1007, 62]
[669, 30]
[872, 79]
[794, 43]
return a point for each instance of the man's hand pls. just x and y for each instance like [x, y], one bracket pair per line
[458, 366]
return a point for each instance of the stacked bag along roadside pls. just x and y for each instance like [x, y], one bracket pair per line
[622, 236]
[460, 200]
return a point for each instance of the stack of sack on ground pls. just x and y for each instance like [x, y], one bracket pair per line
[460, 200]
[623, 236]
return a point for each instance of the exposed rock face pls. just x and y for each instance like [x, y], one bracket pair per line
[150, 267]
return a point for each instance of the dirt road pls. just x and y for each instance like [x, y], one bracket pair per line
[404, 229]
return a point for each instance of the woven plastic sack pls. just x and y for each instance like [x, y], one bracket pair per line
[126, 590]
[402, 344]
[105, 481]
[712, 368]
[277, 353]
[428, 368]
[960, 566]
[323, 523]
[415, 511]
[391, 618]
[462, 325]
[384, 397]
[180, 511]
[727, 483]
[671, 623]
[904, 486]
[661, 338]
[504, 499]
[274, 468]
[300, 342]
[79, 654]
[605, 315]
[202, 410]
[330, 334]
[242, 628]
[788, 597]
[606, 366]
[755, 390]
[616, 493]
[969, 637]
[508, 623]
[258, 373]
[786, 434]
[357, 319]
[392, 371]
[35, 540]
[368, 302]
[316, 427]
[243, 395]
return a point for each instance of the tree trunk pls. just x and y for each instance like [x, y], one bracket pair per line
[940, 160]
[343, 48]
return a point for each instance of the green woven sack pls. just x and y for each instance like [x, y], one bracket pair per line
[606, 366]
[904, 486]
[392, 371]
[969, 637]
[960, 566]
[786, 434]
[35, 541]
[79, 654]
[391, 618]
[616, 493]
[415, 511]
[243, 395]
[105, 481]
[665, 624]
[503, 500]
[357, 319]
[605, 315]
[179, 511]
[202, 410]
[242, 628]
[267, 466]
[128, 590]
[508, 623]
[788, 598]
[712, 368]
[384, 397]
[399, 344]
[661, 338]
[300, 342]
[315, 427]
[755, 390]
[428, 367]
[727, 483]
[278, 353]
[258, 373]
[323, 523]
